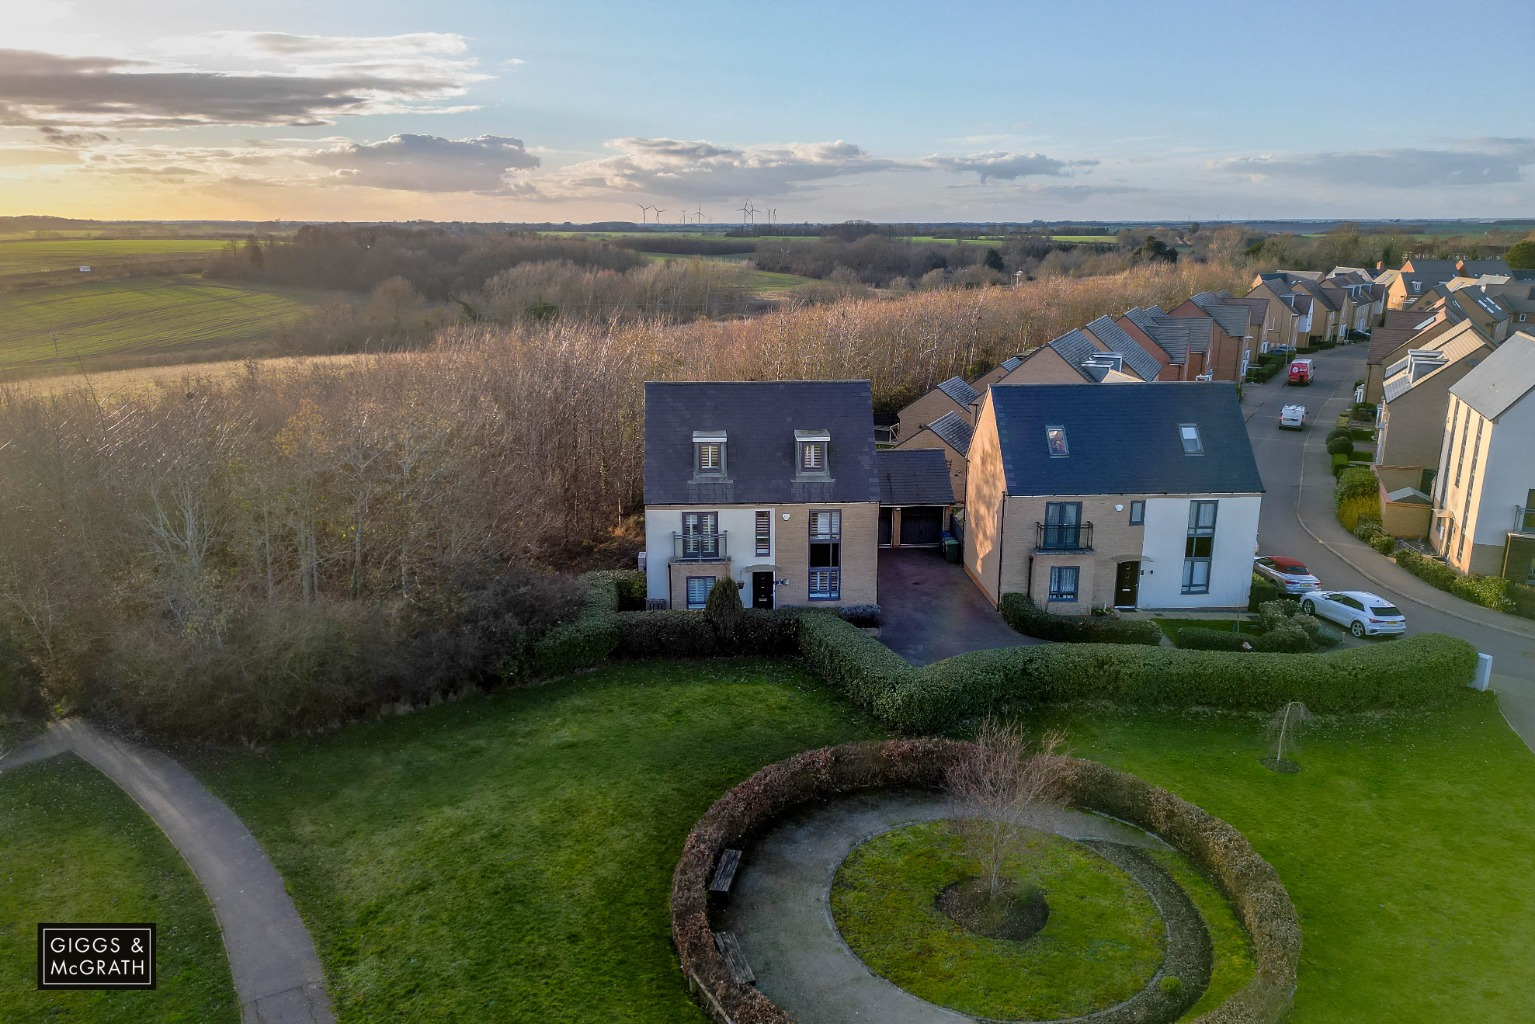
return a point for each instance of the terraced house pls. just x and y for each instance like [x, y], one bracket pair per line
[1082, 498]
[772, 484]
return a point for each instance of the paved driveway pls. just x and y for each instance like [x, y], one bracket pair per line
[1297, 519]
[931, 610]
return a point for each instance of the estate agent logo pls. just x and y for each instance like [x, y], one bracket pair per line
[95, 956]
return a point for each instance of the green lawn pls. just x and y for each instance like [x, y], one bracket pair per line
[1102, 942]
[25, 257]
[1406, 842]
[510, 857]
[73, 847]
[136, 316]
[1171, 626]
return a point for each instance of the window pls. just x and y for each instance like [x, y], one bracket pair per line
[1063, 525]
[826, 555]
[1199, 547]
[1055, 442]
[1063, 582]
[1444, 482]
[1137, 513]
[1188, 433]
[1460, 460]
[698, 591]
[700, 534]
[764, 533]
[709, 452]
[812, 457]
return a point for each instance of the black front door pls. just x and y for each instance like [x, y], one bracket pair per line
[1127, 584]
[762, 590]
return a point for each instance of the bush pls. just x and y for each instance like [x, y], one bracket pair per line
[850, 659]
[1523, 598]
[1198, 638]
[1384, 543]
[632, 590]
[723, 610]
[1357, 495]
[858, 614]
[1029, 619]
[1339, 464]
[685, 634]
[1263, 590]
[1367, 530]
[1340, 432]
[1487, 591]
[588, 639]
[1340, 445]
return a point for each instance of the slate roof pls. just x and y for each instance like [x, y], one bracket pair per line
[1136, 358]
[959, 391]
[1074, 347]
[1124, 440]
[1421, 364]
[759, 419]
[1010, 363]
[1502, 379]
[954, 431]
[1180, 335]
[1481, 268]
[913, 476]
[1232, 318]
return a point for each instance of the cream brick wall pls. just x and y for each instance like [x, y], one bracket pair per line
[927, 409]
[984, 488]
[1044, 366]
[1114, 541]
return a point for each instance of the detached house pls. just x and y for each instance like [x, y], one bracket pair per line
[951, 396]
[770, 483]
[1143, 497]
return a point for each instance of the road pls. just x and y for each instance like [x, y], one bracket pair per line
[1297, 520]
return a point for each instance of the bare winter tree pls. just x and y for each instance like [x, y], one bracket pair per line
[1285, 728]
[999, 785]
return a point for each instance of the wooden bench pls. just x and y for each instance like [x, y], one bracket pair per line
[725, 873]
[730, 949]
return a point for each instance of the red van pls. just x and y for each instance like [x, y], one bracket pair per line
[1300, 371]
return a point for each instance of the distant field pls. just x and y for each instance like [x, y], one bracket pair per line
[29, 257]
[136, 317]
[1099, 239]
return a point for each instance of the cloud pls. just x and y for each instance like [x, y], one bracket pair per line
[288, 45]
[44, 90]
[1472, 162]
[426, 163]
[1008, 166]
[706, 170]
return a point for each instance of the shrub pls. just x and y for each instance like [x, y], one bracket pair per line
[850, 659]
[1339, 464]
[857, 614]
[723, 610]
[632, 590]
[1198, 638]
[684, 634]
[1029, 619]
[1357, 495]
[1523, 598]
[1487, 591]
[588, 639]
[1367, 530]
[1263, 589]
[1340, 445]
[1340, 432]
[1384, 543]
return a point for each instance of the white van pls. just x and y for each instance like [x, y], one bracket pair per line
[1292, 417]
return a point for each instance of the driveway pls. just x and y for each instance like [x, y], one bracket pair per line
[1297, 519]
[931, 610]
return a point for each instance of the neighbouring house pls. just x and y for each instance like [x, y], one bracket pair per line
[1231, 345]
[949, 434]
[1078, 357]
[996, 373]
[772, 484]
[1145, 357]
[1185, 340]
[1400, 330]
[953, 395]
[914, 497]
[1281, 318]
[1143, 497]
[1484, 500]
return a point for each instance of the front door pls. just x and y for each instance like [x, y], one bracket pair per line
[1127, 583]
[762, 590]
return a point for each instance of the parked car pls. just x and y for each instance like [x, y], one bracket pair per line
[1292, 417]
[1364, 613]
[1300, 372]
[1290, 573]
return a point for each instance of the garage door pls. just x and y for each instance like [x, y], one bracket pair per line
[921, 525]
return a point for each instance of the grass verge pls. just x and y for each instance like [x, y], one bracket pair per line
[73, 847]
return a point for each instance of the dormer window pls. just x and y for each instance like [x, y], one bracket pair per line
[1188, 433]
[709, 452]
[811, 448]
[1055, 442]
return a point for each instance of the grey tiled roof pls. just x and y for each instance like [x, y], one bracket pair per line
[954, 430]
[914, 476]
[759, 419]
[1136, 358]
[1501, 379]
[1232, 318]
[959, 391]
[1124, 440]
[1181, 335]
[1011, 363]
[1074, 347]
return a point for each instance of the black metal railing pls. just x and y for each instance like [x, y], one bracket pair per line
[1063, 537]
[699, 547]
[1524, 519]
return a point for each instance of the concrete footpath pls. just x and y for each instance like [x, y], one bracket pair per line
[277, 975]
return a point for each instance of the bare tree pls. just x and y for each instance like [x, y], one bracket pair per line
[999, 785]
[1285, 728]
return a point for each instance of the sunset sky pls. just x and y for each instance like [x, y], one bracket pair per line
[405, 109]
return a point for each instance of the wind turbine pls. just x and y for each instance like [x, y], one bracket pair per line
[659, 211]
[643, 208]
[700, 215]
[745, 208]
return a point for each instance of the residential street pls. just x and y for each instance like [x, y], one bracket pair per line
[1297, 520]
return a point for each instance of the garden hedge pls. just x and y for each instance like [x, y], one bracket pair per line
[1220, 851]
[1263, 590]
[1029, 619]
[590, 638]
[1487, 591]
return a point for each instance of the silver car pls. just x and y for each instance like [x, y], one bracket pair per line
[1290, 573]
[1364, 613]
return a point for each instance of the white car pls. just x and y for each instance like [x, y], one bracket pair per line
[1292, 417]
[1291, 574]
[1364, 613]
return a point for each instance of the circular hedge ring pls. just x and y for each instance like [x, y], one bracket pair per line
[1247, 880]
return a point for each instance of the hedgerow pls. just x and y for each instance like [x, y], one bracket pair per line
[1029, 619]
[1487, 591]
[588, 639]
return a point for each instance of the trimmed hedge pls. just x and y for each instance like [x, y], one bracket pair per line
[857, 614]
[1487, 591]
[685, 634]
[1029, 619]
[1340, 443]
[1263, 590]
[1248, 881]
[1357, 496]
[590, 638]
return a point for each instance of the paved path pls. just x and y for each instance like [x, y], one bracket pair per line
[780, 912]
[931, 610]
[1297, 519]
[277, 974]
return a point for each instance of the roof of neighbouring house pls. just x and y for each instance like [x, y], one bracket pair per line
[1232, 318]
[954, 431]
[1124, 440]
[1500, 380]
[1137, 358]
[1179, 335]
[961, 392]
[759, 419]
[913, 476]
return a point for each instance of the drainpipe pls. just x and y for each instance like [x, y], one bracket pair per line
[1028, 586]
[1001, 548]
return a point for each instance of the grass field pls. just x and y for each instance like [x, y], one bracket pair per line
[1087, 239]
[135, 317]
[26, 257]
[73, 847]
[510, 857]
